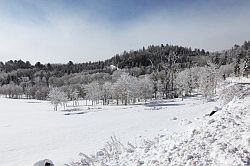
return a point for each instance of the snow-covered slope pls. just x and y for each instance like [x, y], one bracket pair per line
[222, 140]
[238, 80]
[32, 131]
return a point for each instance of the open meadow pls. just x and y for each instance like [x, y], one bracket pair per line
[31, 130]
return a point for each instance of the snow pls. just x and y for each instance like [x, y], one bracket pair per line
[31, 131]
[114, 67]
[170, 132]
[238, 80]
[222, 139]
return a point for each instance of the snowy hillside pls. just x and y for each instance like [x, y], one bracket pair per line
[222, 139]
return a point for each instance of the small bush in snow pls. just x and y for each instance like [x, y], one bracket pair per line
[111, 151]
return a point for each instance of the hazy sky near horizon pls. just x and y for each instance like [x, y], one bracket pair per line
[58, 31]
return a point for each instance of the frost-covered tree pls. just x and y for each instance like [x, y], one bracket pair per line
[124, 88]
[11, 90]
[57, 97]
[72, 93]
[93, 92]
[120, 88]
[208, 79]
[115, 92]
[246, 69]
[134, 89]
[106, 92]
[226, 70]
[41, 93]
[116, 75]
[74, 96]
[195, 77]
[159, 82]
[160, 89]
[145, 87]
[184, 82]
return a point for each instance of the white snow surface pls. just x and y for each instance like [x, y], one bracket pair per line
[238, 80]
[32, 131]
[222, 140]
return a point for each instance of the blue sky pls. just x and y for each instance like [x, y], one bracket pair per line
[88, 30]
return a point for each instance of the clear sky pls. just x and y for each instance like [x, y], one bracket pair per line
[58, 31]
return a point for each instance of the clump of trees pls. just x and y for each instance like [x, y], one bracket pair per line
[126, 89]
[202, 79]
[57, 97]
[11, 91]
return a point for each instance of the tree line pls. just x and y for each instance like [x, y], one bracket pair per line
[167, 72]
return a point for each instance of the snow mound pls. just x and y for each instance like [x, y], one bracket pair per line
[238, 80]
[222, 139]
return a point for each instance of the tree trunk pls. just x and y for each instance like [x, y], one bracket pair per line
[55, 108]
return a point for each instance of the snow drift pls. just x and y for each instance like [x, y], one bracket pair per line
[222, 139]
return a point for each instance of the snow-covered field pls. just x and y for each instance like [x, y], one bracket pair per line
[222, 140]
[31, 130]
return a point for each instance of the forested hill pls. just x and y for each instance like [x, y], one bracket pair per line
[146, 59]
[163, 63]
[153, 55]
[156, 55]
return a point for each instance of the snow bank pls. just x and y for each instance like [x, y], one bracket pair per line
[238, 80]
[222, 139]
